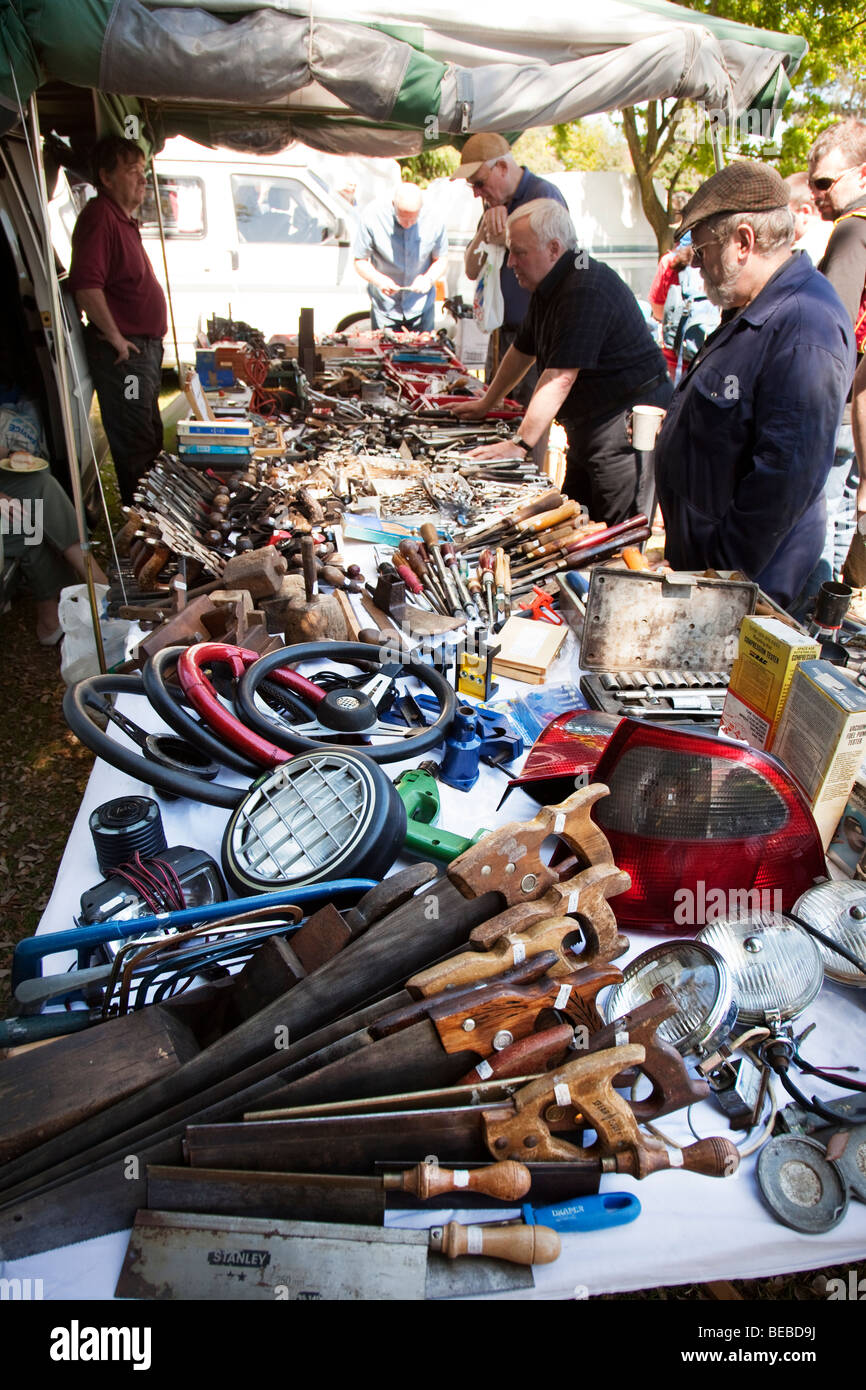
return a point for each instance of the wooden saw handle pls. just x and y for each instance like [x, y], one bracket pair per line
[508, 1181]
[509, 860]
[521, 1245]
[471, 967]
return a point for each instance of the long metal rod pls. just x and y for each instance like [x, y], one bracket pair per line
[156, 199]
[57, 323]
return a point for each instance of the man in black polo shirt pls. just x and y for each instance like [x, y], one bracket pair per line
[114, 285]
[503, 185]
[595, 355]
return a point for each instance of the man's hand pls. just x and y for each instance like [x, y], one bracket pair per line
[492, 228]
[420, 285]
[123, 347]
[504, 450]
[476, 409]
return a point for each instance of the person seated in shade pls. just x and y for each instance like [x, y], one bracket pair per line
[38, 526]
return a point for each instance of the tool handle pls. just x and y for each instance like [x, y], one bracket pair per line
[521, 1245]
[540, 1052]
[429, 535]
[508, 1181]
[409, 577]
[715, 1158]
[308, 561]
[486, 561]
[547, 502]
[548, 519]
[500, 570]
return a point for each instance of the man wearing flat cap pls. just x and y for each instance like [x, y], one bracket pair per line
[747, 442]
[503, 185]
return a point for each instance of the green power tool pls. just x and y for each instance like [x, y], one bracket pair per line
[420, 795]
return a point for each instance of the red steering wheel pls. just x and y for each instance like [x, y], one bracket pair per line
[203, 697]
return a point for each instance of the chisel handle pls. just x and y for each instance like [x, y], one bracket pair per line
[521, 1245]
[508, 1181]
[548, 519]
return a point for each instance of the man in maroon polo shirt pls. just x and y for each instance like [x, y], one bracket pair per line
[114, 285]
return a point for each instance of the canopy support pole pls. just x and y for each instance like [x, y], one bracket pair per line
[158, 202]
[58, 327]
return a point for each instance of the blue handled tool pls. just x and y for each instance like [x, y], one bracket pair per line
[595, 1213]
[27, 960]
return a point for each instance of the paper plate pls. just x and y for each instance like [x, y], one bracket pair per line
[23, 463]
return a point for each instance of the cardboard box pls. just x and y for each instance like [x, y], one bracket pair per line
[822, 737]
[848, 845]
[769, 653]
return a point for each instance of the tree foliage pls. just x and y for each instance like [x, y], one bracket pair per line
[669, 141]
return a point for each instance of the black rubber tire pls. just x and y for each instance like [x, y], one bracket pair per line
[282, 735]
[361, 316]
[370, 850]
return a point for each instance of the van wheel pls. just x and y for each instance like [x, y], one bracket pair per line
[361, 321]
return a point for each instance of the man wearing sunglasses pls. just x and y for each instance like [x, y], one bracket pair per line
[747, 442]
[837, 180]
[503, 185]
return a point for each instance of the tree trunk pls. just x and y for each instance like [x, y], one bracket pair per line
[643, 160]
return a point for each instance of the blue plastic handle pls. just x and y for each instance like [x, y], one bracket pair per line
[586, 1213]
[27, 960]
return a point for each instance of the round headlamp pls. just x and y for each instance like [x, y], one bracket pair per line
[700, 982]
[839, 911]
[776, 968]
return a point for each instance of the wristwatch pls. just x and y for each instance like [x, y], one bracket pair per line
[523, 444]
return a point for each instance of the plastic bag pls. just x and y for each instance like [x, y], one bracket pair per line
[21, 429]
[488, 305]
[78, 657]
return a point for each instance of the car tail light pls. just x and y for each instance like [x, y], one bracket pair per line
[565, 755]
[705, 828]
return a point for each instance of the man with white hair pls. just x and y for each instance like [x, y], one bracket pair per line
[595, 355]
[401, 251]
[747, 443]
[503, 185]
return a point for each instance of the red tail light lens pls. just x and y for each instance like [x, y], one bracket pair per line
[565, 755]
[706, 829]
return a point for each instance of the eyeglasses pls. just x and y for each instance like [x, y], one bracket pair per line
[824, 185]
[698, 251]
[478, 183]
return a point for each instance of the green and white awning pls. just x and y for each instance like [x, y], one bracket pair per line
[385, 78]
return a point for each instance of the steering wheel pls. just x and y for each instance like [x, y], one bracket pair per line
[349, 711]
[200, 692]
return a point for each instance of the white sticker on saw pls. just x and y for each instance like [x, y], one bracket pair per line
[460, 1177]
[561, 1094]
[484, 1071]
[573, 900]
[676, 1158]
[562, 997]
[559, 824]
[519, 952]
[474, 1240]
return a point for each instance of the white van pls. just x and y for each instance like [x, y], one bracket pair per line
[258, 239]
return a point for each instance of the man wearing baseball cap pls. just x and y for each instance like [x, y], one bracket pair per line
[747, 442]
[503, 185]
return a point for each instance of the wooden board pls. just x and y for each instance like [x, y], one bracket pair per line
[44, 1091]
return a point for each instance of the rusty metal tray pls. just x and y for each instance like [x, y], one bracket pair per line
[668, 622]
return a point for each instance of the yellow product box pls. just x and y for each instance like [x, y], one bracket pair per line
[822, 737]
[769, 653]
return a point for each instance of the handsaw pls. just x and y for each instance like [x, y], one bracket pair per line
[507, 863]
[183, 1256]
[522, 1127]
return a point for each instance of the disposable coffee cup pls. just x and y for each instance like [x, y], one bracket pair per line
[645, 424]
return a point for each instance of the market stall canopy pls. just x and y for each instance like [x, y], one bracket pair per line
[383, 78]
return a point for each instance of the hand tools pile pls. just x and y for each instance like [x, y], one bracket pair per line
[335, 1047]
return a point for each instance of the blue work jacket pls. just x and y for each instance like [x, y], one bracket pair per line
[748, 440]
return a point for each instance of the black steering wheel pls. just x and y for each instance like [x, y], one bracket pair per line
[349, 712]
